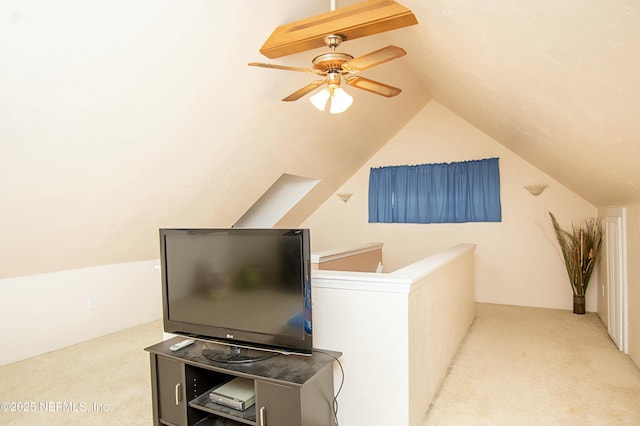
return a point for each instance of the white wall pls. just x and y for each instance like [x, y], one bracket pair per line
[41, 313]
[517, 260]
[398, 333]
[633, 282]
[353, 322]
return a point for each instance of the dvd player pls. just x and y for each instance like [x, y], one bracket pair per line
[238, 394]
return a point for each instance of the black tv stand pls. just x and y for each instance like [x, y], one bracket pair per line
[235, 355]
[290, 390]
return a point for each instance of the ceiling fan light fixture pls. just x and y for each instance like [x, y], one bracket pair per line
[320, 99]
[340, 101]
[336, 97]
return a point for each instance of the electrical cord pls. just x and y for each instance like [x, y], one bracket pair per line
[335, 398]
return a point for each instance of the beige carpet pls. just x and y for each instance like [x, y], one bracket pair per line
[104, 381]
[517, 366]
[527, 366]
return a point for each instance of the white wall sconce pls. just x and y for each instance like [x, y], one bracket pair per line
[536, 190]
[344, 197]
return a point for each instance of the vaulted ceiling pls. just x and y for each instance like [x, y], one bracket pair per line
[120, 117]
[555, 82]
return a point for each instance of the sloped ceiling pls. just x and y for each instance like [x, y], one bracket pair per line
[554, 81]
[120, 117]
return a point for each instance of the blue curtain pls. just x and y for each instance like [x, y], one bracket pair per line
[466, 191]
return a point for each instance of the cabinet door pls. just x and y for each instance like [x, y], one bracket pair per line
[171, 393]
[278, 405]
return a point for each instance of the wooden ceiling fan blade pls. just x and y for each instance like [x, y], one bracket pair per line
[303, 91]
[372, 86]
[362, 19]
[281, 67]
[374, 58]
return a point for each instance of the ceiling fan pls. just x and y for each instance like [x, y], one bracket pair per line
[336, 67]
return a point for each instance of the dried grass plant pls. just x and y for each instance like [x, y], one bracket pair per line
[580, 250]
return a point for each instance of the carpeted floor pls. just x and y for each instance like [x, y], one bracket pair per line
[517, 366]
[104, 381]
[528, 366]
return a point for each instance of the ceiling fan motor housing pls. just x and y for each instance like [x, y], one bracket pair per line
[332, 61]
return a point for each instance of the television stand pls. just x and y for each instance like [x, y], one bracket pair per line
[290, 390]
[235, 355]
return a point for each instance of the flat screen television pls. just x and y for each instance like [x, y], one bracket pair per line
[245, 288]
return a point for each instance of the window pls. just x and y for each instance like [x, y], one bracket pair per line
[467, 191]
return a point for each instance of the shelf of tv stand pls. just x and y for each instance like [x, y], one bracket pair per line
[282, 383]
[203, 403]
[217, 421]
[208, 421]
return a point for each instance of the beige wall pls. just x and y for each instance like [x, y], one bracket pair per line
[517, 260]
[633, 282]
[388, 339]
[45, 312]
[117, 118]
[363, 261]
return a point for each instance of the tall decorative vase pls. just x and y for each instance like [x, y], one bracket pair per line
[578, 305]
[580, 249]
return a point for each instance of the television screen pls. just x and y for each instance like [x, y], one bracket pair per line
[238, 286]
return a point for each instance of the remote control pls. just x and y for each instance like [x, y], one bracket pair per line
[180, 345]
